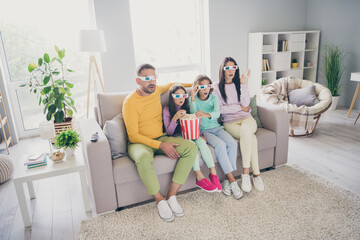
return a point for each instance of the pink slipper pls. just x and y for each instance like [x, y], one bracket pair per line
[206, 185]
[215, 180]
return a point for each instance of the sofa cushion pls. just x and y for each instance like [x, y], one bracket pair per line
[115, 132]
[304, 96]
[254, 111]
[109, 105]
[125, 169]
[266, 139]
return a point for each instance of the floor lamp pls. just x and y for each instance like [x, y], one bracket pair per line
[92, 41]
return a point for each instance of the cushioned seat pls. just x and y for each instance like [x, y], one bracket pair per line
[303, 118]
[125, 170]
[116, 183]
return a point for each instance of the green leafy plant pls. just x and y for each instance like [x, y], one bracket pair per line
[67, 139]
[48, 81]
[333, 67]
[294, 60]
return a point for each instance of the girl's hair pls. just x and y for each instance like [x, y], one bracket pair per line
[200, 78]
[236, 79]
[172, 105]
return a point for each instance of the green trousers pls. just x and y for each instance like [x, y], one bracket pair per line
[205, 154]
[143, 156]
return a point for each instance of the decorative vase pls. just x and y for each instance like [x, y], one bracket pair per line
[335, 100]
[69, 151]
[294, 65]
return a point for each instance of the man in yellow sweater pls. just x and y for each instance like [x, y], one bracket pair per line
[142, 113]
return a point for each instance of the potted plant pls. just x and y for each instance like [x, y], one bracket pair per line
[333, 69]
[68, 140]
[49, 81]
[294, 63]
[263, 81]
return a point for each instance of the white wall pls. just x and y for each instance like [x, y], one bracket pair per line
[118, 63]
[232, 20]
[339, 23]
[230, 23]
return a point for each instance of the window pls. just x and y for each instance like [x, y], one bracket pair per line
[171, 36]
[31, 30]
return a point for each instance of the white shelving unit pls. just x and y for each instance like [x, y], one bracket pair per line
[279, 48]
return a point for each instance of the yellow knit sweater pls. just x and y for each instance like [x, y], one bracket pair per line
[143, 116]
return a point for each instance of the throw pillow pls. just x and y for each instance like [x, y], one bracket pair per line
[115, 132]
[254, 111]
[304, 96]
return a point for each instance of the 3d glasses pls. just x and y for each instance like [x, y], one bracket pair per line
[177, 96]
[227, 68]
[147, 78]
[205, 86]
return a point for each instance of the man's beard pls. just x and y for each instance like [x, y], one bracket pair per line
[146, 89]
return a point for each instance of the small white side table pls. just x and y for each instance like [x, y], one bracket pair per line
[24, 175]
[354, 77]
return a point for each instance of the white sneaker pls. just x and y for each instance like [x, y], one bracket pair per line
[175, 207]
[165, 211]
[245, 182]
[236, 191]
[258, 183]
[226, 188]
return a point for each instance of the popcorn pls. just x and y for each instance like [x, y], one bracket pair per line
[190, 126]
[189, 116]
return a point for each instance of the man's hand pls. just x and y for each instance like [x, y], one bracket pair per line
[179, 114]
[169, 150]
[245, 109]
[202, 114]
[244, 78]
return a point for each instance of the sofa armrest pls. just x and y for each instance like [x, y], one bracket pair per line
[276, 119]
[99, 168]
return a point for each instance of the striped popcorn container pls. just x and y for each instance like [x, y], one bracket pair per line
[190, 127]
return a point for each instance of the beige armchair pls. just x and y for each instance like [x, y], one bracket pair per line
[303, 119]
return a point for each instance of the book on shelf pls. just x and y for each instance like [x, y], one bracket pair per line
[35, 158]
[43, 163]
[282, 45]
[265, 64]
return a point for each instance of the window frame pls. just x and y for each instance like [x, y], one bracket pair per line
[204, 65]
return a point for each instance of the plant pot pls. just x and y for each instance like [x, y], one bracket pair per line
[59, 127]
[334, 103]
[69, 151]
[294, 65]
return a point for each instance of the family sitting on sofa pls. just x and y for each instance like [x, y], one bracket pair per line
[228, 99]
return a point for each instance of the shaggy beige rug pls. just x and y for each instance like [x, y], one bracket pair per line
[294, 205]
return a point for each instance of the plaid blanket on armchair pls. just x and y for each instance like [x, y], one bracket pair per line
[300, 118]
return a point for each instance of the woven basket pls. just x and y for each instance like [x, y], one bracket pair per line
[6, 168]
[59, 127]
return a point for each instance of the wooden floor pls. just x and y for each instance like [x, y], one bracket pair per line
[333, 153]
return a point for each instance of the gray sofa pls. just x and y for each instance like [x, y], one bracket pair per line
[116, 183]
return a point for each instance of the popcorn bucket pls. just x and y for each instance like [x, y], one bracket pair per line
[190, 127]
